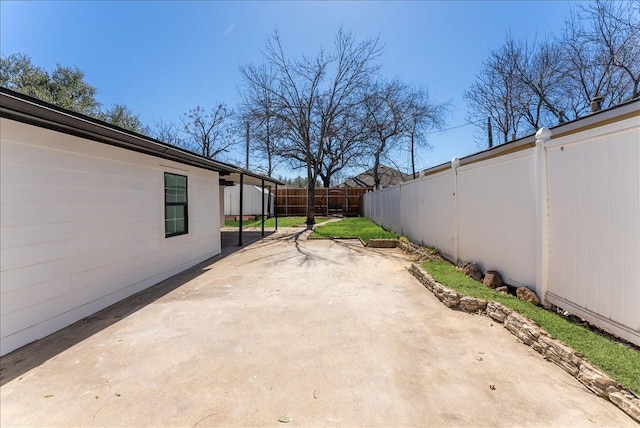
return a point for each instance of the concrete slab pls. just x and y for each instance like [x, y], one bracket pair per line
[327, 333]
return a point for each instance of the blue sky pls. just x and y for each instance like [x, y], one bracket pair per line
[163, 58]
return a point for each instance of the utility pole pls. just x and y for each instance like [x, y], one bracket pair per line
[247, 138]
[489, 133]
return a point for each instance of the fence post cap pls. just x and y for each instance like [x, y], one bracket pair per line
[543, 134]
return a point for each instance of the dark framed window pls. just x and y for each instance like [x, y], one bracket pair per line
[176, 213]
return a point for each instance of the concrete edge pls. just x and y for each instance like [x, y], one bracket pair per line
[529, 333]
[323, 238]
[383, 243]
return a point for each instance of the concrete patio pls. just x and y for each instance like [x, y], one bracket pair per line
[324, 333]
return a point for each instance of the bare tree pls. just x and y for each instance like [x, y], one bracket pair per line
[344, 144]
[422, 116]
[591, 69]
[167, 132]
[258, 111]
[388, 110]
[542, 69]
[209, 133]
[311, 95]
[497, 93]
[615, 29]
[525, 85]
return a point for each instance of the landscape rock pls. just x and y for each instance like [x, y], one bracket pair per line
[472, 305]
[473, 271]
[504, 289]
[527, 295]
[493, 279]
[522, 328]
[627, 402]
[560, 354]
[447, 296]
[497, 311]
[595, 380]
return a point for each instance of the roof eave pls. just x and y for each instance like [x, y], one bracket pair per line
[26, 109]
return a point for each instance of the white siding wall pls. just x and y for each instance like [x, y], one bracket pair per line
[582, 255]
[82, 227]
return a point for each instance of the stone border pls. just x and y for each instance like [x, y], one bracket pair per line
[529, 333]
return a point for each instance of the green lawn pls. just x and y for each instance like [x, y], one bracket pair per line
[353, 227]
[618, 361]
[271, 222]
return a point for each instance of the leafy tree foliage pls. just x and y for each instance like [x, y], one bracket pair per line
[64, 87]
[122, 116]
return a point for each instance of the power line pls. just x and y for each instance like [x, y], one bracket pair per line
[449, 129]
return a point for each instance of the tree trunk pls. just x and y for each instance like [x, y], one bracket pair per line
[311, 198]
[413, 157]
[311, 194]
[326, 181]
[376, 176]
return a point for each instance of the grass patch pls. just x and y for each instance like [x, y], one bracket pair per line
[618, 361]
[271, 222]
[352, 227]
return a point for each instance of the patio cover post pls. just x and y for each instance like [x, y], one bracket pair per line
[275, 207]
[262, 216]
[241, 198]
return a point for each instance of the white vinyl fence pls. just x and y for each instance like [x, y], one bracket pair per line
[559, 213]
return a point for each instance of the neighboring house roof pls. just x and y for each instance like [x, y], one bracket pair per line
[26, 109]
[388, 177]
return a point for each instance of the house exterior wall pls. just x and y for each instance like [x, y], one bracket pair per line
[82, 227]
[562, 217]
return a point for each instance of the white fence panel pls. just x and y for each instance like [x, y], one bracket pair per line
[395, 209]
[439, 212]
[412, 213]
[594, 228]
[496, 216]
[562, 217]
[385, 213]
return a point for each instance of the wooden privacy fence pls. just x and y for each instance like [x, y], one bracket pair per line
[328, 200]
